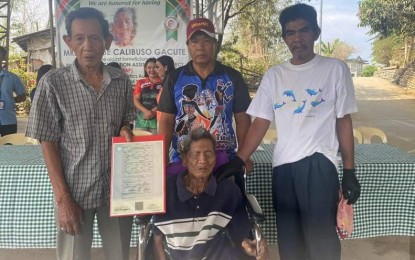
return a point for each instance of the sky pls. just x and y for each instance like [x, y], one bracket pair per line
[340, 21]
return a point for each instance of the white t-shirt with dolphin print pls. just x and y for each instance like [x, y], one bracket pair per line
[305, 100]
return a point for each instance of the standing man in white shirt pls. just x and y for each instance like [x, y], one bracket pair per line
[310, 97]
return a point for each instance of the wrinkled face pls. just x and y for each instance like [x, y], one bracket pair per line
[161, 69]
[151, 70]
[202, 49]
[122, 28]
[200, 160]
[300, 37]
[87, 42]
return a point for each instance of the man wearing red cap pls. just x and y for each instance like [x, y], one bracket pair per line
[218, 93]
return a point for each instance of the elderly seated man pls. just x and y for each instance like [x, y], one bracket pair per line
[204, 219]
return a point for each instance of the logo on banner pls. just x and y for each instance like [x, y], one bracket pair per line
[171, 24]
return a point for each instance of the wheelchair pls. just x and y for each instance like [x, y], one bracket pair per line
[145, 225]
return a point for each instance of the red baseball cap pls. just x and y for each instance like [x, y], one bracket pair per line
[200, 24]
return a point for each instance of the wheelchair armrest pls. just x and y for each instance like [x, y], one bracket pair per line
[254, 209]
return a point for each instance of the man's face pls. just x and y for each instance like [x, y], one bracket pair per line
[200, 160]
[202, 49]
[88, 42]
[300, 37]
[122, 28]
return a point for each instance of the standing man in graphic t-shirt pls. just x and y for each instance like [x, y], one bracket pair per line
[205, 93]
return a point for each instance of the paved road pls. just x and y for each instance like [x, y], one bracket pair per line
[388, 107]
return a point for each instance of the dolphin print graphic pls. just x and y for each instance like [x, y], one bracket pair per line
[316, 103]
[289, 93]
[300, 109]
[276, 106]
[312, 92]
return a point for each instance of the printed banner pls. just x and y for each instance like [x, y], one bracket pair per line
[141, 28]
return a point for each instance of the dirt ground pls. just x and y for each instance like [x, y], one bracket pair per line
[374, 88]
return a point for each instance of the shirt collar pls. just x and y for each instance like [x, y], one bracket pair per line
[107, 75]
[219, 69]
[184, 194]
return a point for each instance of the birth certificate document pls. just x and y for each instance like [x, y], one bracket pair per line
[137, 176]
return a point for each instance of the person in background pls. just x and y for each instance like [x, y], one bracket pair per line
[196, 228]
[164, 65]
[145, 97]
[40, 73]
[205, 93]
[310, 97]
[77, 111]
[9, 84]
[124, 26]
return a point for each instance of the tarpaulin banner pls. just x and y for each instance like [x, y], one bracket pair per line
[141, 29]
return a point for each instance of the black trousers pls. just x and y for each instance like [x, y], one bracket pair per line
[8, 129]
[305, 196]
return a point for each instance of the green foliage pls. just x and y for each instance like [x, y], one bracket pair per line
[369, 70]
[17, 65]
[337, 49]
[254, 42]
[387, 50]
[387, 17]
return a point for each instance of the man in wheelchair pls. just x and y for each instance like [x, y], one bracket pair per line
[205, 219]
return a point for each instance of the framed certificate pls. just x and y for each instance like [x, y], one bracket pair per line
[138, 176]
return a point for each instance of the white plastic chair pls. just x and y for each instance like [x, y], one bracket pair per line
[369, 132]
[358, 136]
[270, 136]
[17, 139]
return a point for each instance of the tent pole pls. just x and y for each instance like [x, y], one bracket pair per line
[52, 35]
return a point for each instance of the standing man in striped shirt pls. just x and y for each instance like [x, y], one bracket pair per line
[78, 110]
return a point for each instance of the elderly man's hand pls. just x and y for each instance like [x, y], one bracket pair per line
[249, 246]
[69, 215]
[229, 169]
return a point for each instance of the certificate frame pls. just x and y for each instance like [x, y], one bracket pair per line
[138, 182]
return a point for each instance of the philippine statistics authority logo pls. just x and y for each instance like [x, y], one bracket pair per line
[171, 23]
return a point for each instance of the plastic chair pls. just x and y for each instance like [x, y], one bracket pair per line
[369, 132]
[17, 139]
[270, 136]
[358, 136]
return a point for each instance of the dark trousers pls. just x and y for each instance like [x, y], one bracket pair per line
[8, 129]
[305, 196]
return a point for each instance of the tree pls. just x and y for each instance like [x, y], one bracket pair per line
[337, 49]
[252, 41]
[388, 50]
[369, 70]
[388, 17]
[28, 16]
